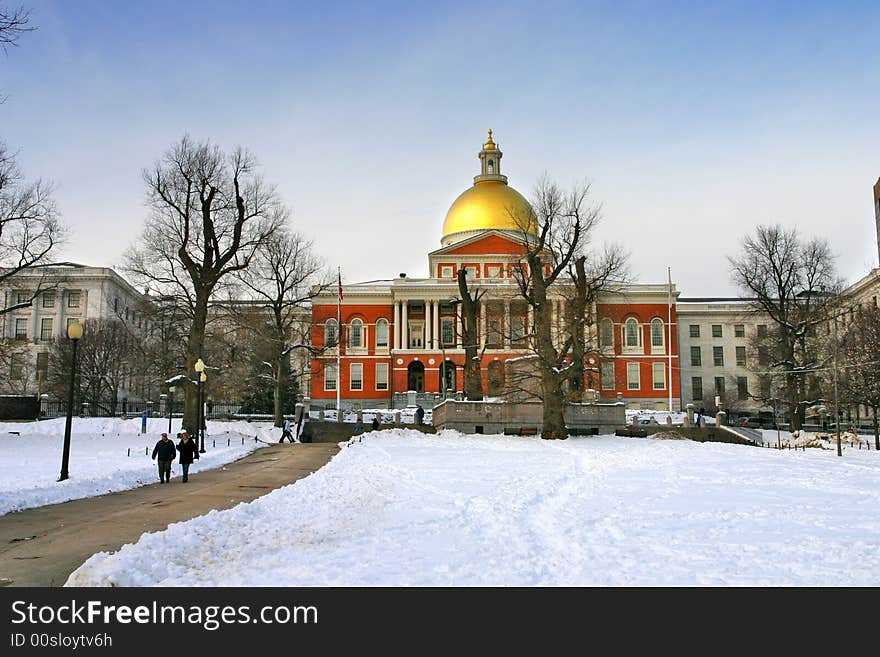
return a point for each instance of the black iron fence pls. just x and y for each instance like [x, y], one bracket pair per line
[127, 409]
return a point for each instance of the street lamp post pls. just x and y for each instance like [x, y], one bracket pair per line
[203, 378]
[74, 332]
[200, 378]
[170, 407]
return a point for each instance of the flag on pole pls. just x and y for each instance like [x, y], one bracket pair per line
[340, 283]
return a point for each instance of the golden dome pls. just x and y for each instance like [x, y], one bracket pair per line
[488, 205]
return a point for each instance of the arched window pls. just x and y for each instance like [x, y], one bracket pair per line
[331, 333]
[631, 333]
[656, 332]
[606, 333]
[491, 166]
[356, 334]
[381, 333]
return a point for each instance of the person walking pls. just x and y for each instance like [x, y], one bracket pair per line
[420, 415]
[165, 451]
[188, 452]
[285, 432]
[359, 424]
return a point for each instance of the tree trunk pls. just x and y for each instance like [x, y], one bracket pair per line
[280, 390]
[876, 409]
[194, 348]
[551, 388]
[578, 345]
[473, 379]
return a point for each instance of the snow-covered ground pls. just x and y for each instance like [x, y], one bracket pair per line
[398, 507]
[106, 455]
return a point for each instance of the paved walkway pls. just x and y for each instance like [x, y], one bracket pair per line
[42, 546]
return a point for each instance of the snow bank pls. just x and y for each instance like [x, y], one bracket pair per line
[106, 455]
[402, 508]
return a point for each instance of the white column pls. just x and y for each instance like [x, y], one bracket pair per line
[396, 325]
[507, 323]
[435, 334]
[404, 329]
[428, 326]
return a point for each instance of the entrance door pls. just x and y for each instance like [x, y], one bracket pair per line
[447, 378]
[415, 379]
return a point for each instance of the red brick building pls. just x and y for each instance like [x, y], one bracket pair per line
[402, 334]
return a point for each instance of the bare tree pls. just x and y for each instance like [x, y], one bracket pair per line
[562, 221]
[104, 362]
[210, 212]
[13, 23]
[283, 276]
[793, 281]
[859, 363]
[30, 230]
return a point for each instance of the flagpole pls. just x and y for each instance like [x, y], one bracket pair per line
[669, 328]
[339, 347]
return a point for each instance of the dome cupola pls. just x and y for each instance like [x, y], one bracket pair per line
[491, 204]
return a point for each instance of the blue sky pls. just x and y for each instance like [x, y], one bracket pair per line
[693, 121]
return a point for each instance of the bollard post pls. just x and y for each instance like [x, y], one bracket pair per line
[214, 442]
[228, 442]
[146, 451]
[129, 452]
[242, 440]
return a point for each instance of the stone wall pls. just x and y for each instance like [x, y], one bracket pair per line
[524, 417]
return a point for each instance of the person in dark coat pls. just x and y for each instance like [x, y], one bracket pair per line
[188, 452]
[165, 452]
[420, 415]
[376, 422]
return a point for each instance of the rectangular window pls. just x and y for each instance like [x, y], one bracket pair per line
[446, 271]
[697, 388]
[330, 377]
[381, 333]
[356, 374]
[42, 364]
[632, 376]
[719, 385]
[762, 330]
[517, 331]
[763, 356]
[46, 328]
[493, 337]
[607, 369]
[21, 328]
[74, 298]
[739, 330]
[695, 330]
[696, 357]
[659, 371]
[718, 356]
[741, 356]
[23, 297]
[49, 299]
[447, 331]
[381, 376]
[71, 320]
[471, 272]
[764, 383]
[416, 339]
[742, 387]
[494, 271]
[716, 330]
[416, 309]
